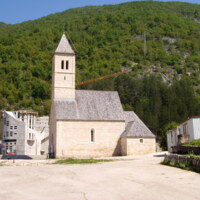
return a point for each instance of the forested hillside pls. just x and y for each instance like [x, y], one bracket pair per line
[159, 42]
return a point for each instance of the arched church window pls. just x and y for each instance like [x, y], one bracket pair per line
[62, 64]
[92, 135]
[67, 64]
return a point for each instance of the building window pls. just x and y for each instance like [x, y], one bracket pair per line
[11, 133]
[62, 64]
[11, 127]
[7, 123]
[15, 127]
[6, 133]
[15, 152]
[64, 77]
[67, 64]
[15, 133]
[92, 135]
[141, 140]
[4, 121]
[29, 135]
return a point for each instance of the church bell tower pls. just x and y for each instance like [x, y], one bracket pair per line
[63, 77]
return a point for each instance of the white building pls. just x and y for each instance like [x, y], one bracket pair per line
[88, 123]
[187, 131]
[24, 133]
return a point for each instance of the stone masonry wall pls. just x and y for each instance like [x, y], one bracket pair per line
[74, 138]
[189, 162]
[137, 146]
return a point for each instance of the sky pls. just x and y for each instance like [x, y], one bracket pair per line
[17, 11]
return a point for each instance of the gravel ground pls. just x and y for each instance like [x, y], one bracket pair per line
[139, 178]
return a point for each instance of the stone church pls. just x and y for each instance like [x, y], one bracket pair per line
[90, 123]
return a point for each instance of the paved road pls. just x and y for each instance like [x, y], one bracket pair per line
[140, 179]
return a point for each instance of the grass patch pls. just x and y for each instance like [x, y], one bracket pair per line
[181, 165]
[80, 161]
[195, 143]
[192, 154]
[3, 163]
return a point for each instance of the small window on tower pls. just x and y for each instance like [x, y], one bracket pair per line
[67, 64]
[62, 64]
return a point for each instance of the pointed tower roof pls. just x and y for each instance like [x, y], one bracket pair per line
[64, 46]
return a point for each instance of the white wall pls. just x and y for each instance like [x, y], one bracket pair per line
[42, 128]
[193, 128]
[172, 138]
[192, 133]
[52, 131]
[18, 134]
[196, 128]
[29, 138]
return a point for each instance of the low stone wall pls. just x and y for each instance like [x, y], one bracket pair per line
[186, 150]
[188, 162]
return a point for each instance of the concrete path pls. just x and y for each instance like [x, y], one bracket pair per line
[142, 178]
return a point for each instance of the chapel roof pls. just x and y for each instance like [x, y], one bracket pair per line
[90, 105]
[101, 106]
[135, 127]
[64, 46]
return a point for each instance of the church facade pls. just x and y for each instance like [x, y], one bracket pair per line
[88, 123]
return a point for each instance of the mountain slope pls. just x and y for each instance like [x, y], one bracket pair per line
[106, 39]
